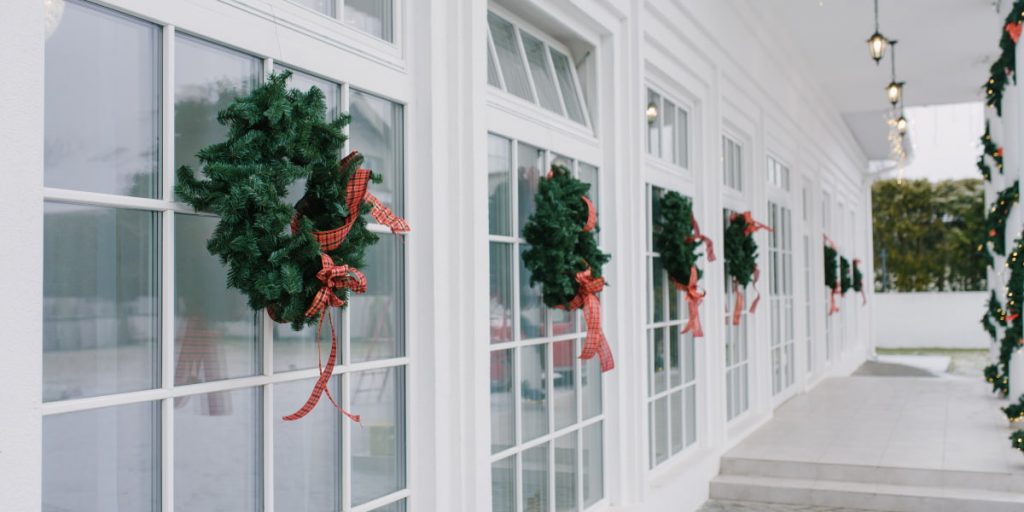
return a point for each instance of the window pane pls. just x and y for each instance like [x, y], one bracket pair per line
[215, 330]
[528, 175]
[207, 78]
[673, 356]
[536, 56]
[563, 71]
[100, 301]
[378, 443]
[564, 382]
[375, 17]
[102, 460]
[658, 359]
[503, 406]
[532, 313]
[296, 350]
[659, 429]
[658, 290]
[398, 506]
[566, 473]
[591, 387]
[320, 6]
[668, 130]
[376, 316]
[332, 99]
[533, 367]
[676, 407]
[507, 48]
[503, 485]
[593, 465]
[102, 103]
[376, 132]
[217, 455]
[653, 133]
[499, 185]
[492, 69]
[588, 175]
[683, 139]
[691, 415]
[307, 453]
[535, 479]
[501, 291]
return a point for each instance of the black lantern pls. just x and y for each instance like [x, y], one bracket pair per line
[901, 125]
[877, 42]
[894, 91]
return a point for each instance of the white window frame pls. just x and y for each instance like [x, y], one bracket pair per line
[740, 401]
[680, 106]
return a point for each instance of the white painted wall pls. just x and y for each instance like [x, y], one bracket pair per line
[929, 319]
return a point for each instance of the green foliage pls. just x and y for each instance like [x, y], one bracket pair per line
[275, 137]
[559, 248]
[929, 234]
[831, 267]
[1005, 66]
[858, 277]
[1014, 322]
[1017, 440]
[740, 251]
[994, 316]
[995, 220]
[1000, 383]
[674, 237]
[1015, 412]
[845, 277]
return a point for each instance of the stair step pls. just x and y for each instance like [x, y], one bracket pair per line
[863, 495]
[915, 477]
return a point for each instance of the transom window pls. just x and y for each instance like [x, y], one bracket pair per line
[671, 374]
[162, 389]
[536, 70]
[375, 17]
[780, 296]
[546, 414]
[778, 174]
[732, 163]
[668, 130]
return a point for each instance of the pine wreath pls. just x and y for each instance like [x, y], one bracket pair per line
[1004, 68]
[998, 212]
[858, 280]
[845, 277]
[563, 256]
[677, 238]
[741, 258]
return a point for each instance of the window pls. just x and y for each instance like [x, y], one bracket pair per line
[546, 411]
[732, 164]
[805, 209]
[671, 373]
[778, 174]
[162, 389]
[737, 356]
[526, 66]
[667, 130]
[780, 290]
[375, 17]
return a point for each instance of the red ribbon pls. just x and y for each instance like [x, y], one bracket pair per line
[694, 296]
[335, 277]
[320, 388]
[1014, 30]
[700, 237]
[586, 298]
[999, 151]
[737, 308]
[752, 225]
[757, 298]
[833, 307]
[828, 241]
[591, 215]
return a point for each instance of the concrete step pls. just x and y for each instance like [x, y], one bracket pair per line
[914, 477]
[861, 495]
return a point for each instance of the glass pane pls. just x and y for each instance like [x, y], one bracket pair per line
[501, 291]
[691, 415]
[217, 455]
[588, 175]
[676, 414]
[653, 133]
[535, 479]
[593, 465]
[532, 312]
[536, 56]
[376, 132]
[673, 356]
[591, 384]
[320, 6]
[398, 506]
[668, 130]
[528, 176]
[659, 429]
[658, 290]
[307, 453]
[492, 69]
[683, 139]
[564, 382]
[499, 186]
[507, 48]
[378, 443]
[503, 485]
[297, 350]
[566, 473]
[675, 313]
[215, 330]
[658, 359]
[102, 103]
[563, 71]
[503, 401]
[101, 301]
[375, 17]
[207, 78]
[102, 460]
[533, 388]
[688, 358]
[332, 98]
[376, 316]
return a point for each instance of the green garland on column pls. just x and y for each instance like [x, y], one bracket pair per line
[858, 277]
[994, 316]
[1014, 322]
[845, 276]
[1017, 440]
[995, 219]
[1005, 66]
[990, 149]
[1015, 412]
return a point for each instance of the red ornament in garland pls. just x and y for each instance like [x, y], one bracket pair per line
[1014, 29]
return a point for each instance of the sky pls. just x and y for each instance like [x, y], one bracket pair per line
[945, 139]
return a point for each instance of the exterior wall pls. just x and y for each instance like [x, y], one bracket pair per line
[951, 320]
[737, 75]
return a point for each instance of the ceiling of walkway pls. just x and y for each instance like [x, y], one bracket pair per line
[944, 51]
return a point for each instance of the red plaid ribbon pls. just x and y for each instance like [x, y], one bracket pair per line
[700, 237]
[757, 298]
[335, 277]
[586, 298]
[1014, 30]
[694, 296]
[320, 388]
[829, 241]
[737, 308]
[751, 225]
[591, 215]
[833, 306]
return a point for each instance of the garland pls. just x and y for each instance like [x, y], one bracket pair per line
[677, 237]
[275, 137]
[564, 257]
[845, 275]
[1004, 68]
[741, 258]
[989, 148]
[1000, 384]
[1017, 440]
[1014, 323]
[1015, 412]
[831, 273]
[858, 281]
[995, 220]
[995, 314]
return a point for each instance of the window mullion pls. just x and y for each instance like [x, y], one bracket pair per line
[492, 54]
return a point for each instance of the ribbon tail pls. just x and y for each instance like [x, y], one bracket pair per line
[596, 343]
[711, 249]
[737, 308]
[864, 297]
[833, 307]
[757, 298]
[385, 216]
[325, 376]
[693, 324]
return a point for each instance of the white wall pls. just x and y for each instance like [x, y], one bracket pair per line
[929, 319]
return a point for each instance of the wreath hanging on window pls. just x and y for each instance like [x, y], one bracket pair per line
[296, 262]
[831, 274]
[677, 237]
[858, 281]
[998, 213]
[741, 259]
[564, 258]
[845, 276]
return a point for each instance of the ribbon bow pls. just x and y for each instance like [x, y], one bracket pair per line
[335, 277]
[751, 225]
[701, 237]
[1014, 30]
[694, 296]
[586, 298]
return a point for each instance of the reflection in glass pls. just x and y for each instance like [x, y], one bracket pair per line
[533, 390]
[378, 443]
[535, 478]
[507, 48]
[398, 506]
[658, 359]
[102, 103]
[376, 316]
[659, 429]
[563, 71]
[377, 132]
[676, 410]
[375, 17]
[297, 350]
[536, 57]
[564, 382]
[100, 301]
[591, 384]
[528, 175]
[503, 485]
[653, 137]
[503, 407]
[102, 459]
[215, 330]
[499, 188]
[593, 464]
[673, 357]
[668, 130]
[532, 312]
[501, 292]
[307, 453]
[658, 289]
[566, 473]
[217, 455]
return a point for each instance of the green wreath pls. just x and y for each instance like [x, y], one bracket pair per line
[998, 212]
[845, 277]
[831, 267]
[858, 277]
[740, 247]
[1004, 68]
[275, 137]
[675, 239]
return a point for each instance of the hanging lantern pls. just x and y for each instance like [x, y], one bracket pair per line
[877, 42]
[652, 113]
[901, 125]
[894, 91]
